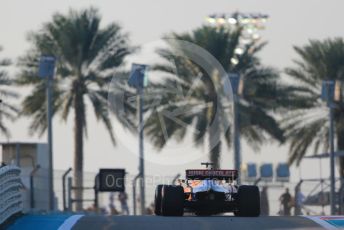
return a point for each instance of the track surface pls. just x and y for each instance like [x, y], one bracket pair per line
[192, 223]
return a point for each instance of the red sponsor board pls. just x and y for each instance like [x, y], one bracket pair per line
[203, 173]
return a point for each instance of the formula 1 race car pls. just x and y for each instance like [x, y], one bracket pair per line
[207, 192]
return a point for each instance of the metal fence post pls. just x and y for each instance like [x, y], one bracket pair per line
[175, 178]
[96, 185]
[256, 182]
[69, 187]
[64, 188]
[134, 192]
[298, 208]
[32, 192]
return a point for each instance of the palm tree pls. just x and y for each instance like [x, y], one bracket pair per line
[306, 124]
[7, 110]
[259, 100]
[87, 57]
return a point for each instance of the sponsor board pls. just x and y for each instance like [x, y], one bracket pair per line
[218, 174]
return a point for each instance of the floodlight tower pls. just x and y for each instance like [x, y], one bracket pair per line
[250, 24]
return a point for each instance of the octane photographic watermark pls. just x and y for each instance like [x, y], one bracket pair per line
[181, 124]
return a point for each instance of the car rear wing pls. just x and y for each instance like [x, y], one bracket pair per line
[201, 174]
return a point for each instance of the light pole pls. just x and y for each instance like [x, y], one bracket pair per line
[46, 70]
[330, 95]
[332, 163]
[137, 80]
[141, 147]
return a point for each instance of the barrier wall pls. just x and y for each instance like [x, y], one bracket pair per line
[10, 192]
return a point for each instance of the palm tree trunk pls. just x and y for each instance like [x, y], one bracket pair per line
[215, 141]
[78, 149]
[215, 155]
[214, 133]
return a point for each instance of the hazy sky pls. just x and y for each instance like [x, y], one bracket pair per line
[291, 22]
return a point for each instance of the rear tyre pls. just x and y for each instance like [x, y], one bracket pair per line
[172, 200]
[157, 200]
[248, 201]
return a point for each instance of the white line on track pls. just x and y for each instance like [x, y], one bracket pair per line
[70, 222]
[321, 222]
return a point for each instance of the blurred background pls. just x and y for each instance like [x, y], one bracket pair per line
[281, 51]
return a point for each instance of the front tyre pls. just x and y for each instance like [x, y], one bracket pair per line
[248, 201]
[172, 200]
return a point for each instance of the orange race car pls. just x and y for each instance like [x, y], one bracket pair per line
[207, 192]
